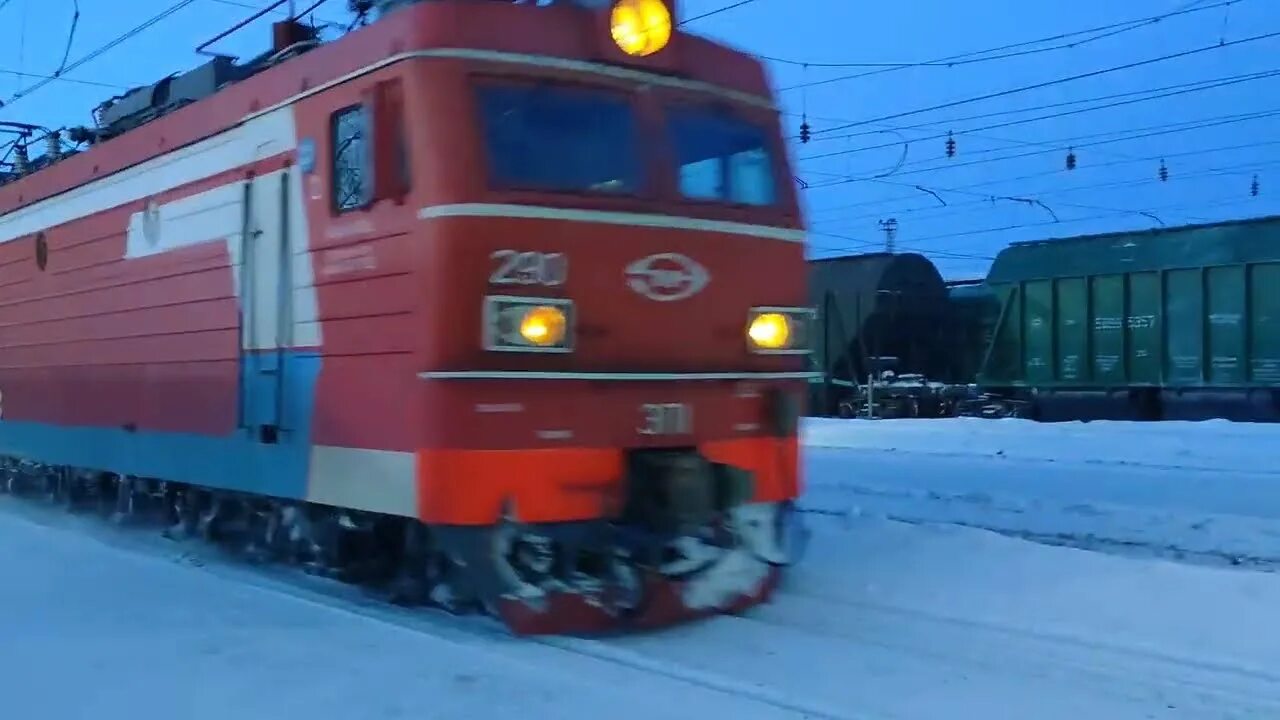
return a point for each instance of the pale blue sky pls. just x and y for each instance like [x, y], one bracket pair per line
[1210, 168]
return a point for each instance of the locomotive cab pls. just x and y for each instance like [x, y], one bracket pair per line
[608, 272]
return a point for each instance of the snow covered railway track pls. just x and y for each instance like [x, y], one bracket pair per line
[1127, 547]
[586, 656]
[977, 651]
[820, 650]
[1224, 520]
[710, 679]
[923, 671]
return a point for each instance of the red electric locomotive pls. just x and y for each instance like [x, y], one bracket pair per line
[523, 284]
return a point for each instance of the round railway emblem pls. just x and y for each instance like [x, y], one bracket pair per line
[667, 277]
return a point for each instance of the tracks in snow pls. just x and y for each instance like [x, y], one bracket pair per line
[897, 663]
[810, 654]
[584, 656]
[1195, 518]
[1052, 665]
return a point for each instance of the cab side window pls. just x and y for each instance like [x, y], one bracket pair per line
[352, 172]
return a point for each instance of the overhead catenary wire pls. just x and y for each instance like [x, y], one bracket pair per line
[71, 36]
[133, 32]
[717, 11]
[997, 126]
[1147, 211]
[1050, 199]
[862, 244]
[1034, 200]
[1037, 199]
[1048, 223]
[61, 77]
[970, 188]
[250, 6]
[1173, 90]
[1198, 125]
[1051, 83]
[1054, 145]
[22, 41]
[1120, 28]
[73, 81]
[1123, 26]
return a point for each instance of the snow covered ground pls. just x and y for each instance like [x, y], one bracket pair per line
[883, 620]
[1201, 492]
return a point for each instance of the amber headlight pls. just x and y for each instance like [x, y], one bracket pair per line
[519, 324]
[640, 27]
[779, 330]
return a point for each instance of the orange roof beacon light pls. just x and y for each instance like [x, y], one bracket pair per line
[640, 27]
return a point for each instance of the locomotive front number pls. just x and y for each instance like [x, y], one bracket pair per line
[529, 268]
[666, 419]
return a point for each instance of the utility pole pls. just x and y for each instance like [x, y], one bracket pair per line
[890, 228]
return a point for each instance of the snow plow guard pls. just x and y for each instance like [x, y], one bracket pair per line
[572, 613]
[772, 536]
[516, 573]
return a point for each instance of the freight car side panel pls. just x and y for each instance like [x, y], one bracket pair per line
[1184, 323]
[1038, 314]
[1073, 329]
[1191, 308]
[1143, 326]
[1264, 330]
[1004, 359]
[1108, 341]
[1226, 321]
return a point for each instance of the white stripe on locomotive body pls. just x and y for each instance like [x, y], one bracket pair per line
[381, 481]
[217, 215]
[610, 217]
[213, 215]
[221, 153]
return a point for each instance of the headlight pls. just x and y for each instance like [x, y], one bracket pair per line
[543, 326]
[770, 331]
[779, 330]
[640, 27]
[519, 324]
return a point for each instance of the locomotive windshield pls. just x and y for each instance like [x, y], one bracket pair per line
[560, 139]
[572, 139]
[720, 157]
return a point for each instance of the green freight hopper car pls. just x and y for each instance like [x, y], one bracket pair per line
[1170, 323]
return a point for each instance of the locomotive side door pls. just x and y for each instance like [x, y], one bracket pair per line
[266, 295]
